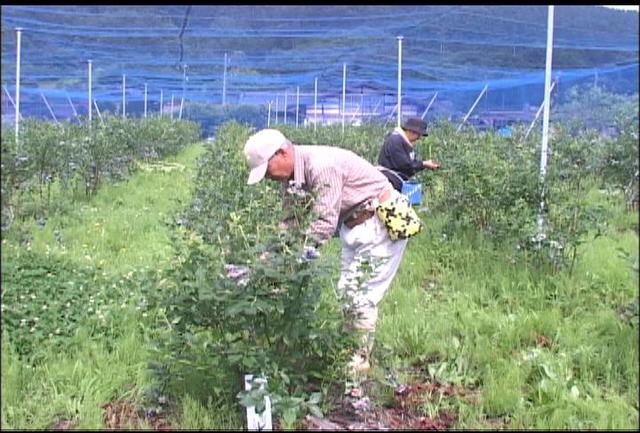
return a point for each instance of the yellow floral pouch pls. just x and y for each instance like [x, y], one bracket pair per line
[400, 219]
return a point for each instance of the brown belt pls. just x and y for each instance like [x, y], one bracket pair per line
[361, 216]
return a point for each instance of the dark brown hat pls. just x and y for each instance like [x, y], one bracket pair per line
[416, 125]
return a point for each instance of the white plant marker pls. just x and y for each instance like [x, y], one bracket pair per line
[254, 421]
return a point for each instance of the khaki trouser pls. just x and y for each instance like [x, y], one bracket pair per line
[368, 245]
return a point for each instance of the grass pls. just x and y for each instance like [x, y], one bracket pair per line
[74, 384]
[124, 226]
[535, 350]
[119, 231]
[544, 351]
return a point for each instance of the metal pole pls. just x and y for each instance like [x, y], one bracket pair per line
[161, 104]
[172, 105]
[297, 103]
[90, 109]
[285, 107]
[472, 107]
[344, 92]
[124, 100]
[224, 81]
[75, 113]
[269, 116]
[49, 107]
[145, 100]
[10, 98]
[184, 81]
[276, 122]
[95, 103]
[17, 104]
[315, 105]
[545, 116]
[391, 115]
[399, 80]
[376, 107]
[538, 113]
[429, 106]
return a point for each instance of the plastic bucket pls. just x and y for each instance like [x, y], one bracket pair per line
[413, 190]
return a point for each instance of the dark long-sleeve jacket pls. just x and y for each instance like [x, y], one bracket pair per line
[397, 155]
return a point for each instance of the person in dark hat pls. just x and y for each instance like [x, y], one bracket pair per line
[397, 159]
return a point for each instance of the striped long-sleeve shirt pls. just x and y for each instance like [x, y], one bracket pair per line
[341, 179]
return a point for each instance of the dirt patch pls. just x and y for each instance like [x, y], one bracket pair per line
[64, 424]
[126, 415]
[406, 411]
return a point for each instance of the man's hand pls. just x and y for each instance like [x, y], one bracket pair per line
[309, 253]
[431, 165]
[238, 273]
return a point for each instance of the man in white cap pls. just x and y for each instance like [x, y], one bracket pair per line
[347, 189]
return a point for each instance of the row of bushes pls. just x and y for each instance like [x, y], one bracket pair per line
[80, 156]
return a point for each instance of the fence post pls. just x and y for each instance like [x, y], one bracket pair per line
[145, 100]
[297, 103]
[17, 120]
[90, 108]
[399, 80]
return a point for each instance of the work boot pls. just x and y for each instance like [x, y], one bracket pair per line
[360, 360]
[358, 364]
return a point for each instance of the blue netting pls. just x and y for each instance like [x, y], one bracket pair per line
[180, 50]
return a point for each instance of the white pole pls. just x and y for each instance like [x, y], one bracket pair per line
[545, 116]
[538, 113]
[9, 95]
[124, 100]
[17, 104]
[161, 104]
[315, 105]
[376, 107]
[472, 107]
[285, 107]
[49, 107]
[75, 113]
[145, 100]
[172, 105]
[224, 81]
[269, 116]
[399, 80]
[95, 103]
[184, 82]
[429, 106]
[297, 103]
[276, 122]
[344, 92]
[90, 109]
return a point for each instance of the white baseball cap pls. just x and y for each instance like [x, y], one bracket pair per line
[260, 147]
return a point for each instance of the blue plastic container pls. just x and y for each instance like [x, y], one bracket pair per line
[413, 190]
